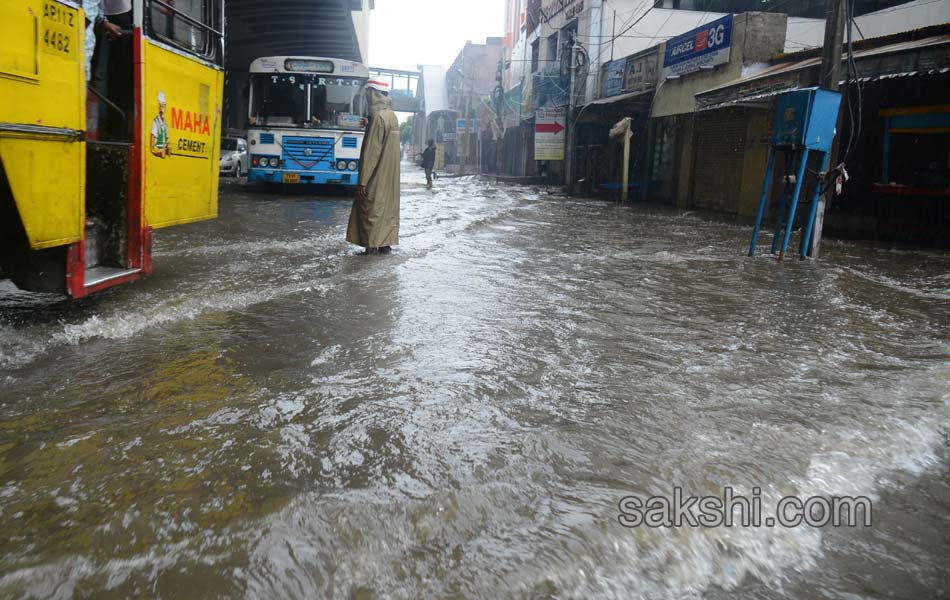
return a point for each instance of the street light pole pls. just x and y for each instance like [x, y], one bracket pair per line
[568, 121]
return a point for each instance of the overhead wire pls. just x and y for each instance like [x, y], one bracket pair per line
[601, 45]
[853, 73]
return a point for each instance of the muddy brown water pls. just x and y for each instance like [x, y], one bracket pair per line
[270, 415]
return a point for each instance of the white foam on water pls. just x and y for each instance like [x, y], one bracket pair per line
[49, 581]
[851, 462]
[598, 558]
[327, 355]
[928, 290]
[21, 347]
[300, 246]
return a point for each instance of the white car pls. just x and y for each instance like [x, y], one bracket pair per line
[233, 156]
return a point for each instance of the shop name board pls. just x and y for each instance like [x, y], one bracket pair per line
[705, 46]
[636, 73]
[571, 8]
[641, 73]
[615, 71]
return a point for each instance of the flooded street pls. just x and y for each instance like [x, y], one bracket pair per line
[271, 415]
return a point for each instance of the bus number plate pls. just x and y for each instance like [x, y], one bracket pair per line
[59, 25]
[291, 177]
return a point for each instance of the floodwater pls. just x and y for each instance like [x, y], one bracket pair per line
[271, 415]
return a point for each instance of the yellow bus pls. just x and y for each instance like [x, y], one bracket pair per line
[87, 174]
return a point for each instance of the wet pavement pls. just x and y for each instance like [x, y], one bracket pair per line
[271, 415]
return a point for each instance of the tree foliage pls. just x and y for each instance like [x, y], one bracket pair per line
[405, 130]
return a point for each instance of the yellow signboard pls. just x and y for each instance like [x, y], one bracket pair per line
[439, 157]
[181, 137]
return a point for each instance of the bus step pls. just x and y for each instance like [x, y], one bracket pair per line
[97, 275]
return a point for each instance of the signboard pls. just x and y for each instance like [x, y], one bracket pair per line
[640, 74]
[615, 71]
[549, 133]
[572, 8]
[472, 124]
[706, 46]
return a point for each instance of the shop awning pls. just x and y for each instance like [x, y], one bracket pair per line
[620, 98]
[925, 56]
[612, 107]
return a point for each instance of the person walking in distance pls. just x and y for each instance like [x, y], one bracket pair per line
[374, 218]
[428, 162]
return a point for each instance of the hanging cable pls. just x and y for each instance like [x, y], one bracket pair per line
[851, 95]
[857, 76]
[853, 91]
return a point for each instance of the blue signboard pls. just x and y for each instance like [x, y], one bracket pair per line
[705, 46]
[615, 71]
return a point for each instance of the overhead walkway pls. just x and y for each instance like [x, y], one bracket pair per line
[403, 85]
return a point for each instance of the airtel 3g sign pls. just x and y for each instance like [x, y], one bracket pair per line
[704, 46]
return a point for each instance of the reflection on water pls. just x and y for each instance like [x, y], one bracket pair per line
[271, 415]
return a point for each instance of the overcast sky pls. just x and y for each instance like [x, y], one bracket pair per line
[406, 33]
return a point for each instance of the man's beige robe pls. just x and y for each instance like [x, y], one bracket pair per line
[374, 219]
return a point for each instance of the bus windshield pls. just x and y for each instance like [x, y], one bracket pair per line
[306, 101]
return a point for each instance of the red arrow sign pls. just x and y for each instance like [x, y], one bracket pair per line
[554, 127]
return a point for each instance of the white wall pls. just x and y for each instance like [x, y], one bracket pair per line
[435, 94]
[804, 33]
[361, 25]
[810, 33]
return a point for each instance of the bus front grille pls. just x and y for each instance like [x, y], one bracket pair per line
[308, 153]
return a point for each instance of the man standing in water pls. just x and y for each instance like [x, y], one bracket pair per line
[374, 219]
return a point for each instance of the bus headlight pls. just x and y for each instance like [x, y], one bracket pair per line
[351, 165]
[274, 162]
[341, 165]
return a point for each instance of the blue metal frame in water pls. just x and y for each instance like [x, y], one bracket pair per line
[804, 122]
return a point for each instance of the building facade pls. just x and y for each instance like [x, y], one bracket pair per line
[671, 65]
[471, 82]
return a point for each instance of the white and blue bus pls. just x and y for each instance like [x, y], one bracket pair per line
[306, 120]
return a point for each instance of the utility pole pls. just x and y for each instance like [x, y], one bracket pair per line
[499, 94]
[568, 121]
[459, 145]
[829, 78]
